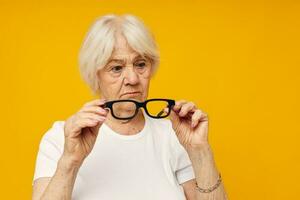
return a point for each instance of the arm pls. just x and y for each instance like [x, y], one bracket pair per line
[60, 186]
[206, 175]
[80, 133]
[191, 127]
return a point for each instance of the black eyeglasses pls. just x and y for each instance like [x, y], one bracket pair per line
[127, 109]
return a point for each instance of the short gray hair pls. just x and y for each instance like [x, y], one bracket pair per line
[98, 45]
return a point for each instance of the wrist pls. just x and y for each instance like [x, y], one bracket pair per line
[203, 147]
[67, 164]
[201, 152]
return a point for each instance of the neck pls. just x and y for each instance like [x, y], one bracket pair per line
[126, 127]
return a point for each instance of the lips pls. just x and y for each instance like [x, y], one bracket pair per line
[131, 93]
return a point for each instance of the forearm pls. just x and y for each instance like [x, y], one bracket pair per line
[61, 184]
[206, 173]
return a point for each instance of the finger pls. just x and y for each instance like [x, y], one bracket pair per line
[96, 102]
[196, 118]
[174, 118]
[178, 105]
[187, 108]
[79, 124]
[94, 109]
[166, 109]
[92, 116]
[87, 122]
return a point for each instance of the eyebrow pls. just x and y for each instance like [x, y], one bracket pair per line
[122, 60]
[116, 60]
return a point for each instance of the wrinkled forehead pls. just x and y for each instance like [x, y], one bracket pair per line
[125, 57]
[122, 50]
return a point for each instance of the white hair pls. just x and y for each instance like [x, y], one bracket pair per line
[98, 45]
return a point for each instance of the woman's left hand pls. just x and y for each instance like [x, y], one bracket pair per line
[190, 124]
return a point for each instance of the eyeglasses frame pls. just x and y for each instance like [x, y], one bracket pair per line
[109, 104]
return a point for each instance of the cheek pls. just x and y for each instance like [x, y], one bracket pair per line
[145, 81]
[110, 86]
[145, 77]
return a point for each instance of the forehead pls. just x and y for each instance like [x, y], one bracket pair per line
[122, 49]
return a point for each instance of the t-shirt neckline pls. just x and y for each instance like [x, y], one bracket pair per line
[128, 137]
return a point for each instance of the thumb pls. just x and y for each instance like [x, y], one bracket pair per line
[173, 116]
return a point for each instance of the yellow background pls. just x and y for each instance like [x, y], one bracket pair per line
[238, 60]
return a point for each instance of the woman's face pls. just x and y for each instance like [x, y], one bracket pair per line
[126, 75]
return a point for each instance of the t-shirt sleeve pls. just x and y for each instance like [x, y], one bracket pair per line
[50, 151]
[182, 165]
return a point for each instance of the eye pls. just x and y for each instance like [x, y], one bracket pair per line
[141, 64]
[117, 68]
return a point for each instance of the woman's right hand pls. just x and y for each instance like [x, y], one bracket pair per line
[81, 130]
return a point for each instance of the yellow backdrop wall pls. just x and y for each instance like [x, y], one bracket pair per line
[238, 60]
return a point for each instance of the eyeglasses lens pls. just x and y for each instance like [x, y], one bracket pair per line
[155, 108]
[124, 109]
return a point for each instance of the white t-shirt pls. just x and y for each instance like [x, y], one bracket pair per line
[148, 165]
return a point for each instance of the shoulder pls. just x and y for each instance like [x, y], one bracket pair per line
[54, 135]
[55, 130]
[50, 150]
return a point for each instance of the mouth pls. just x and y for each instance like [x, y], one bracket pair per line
[131, 94]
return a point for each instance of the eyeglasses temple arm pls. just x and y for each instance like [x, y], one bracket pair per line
[160, 113]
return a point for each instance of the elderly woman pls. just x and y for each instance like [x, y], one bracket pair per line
[113, 149]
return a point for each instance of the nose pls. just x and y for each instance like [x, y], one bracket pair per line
[130, 76]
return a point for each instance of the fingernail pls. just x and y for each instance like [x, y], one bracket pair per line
[193, 124]
[102, 119]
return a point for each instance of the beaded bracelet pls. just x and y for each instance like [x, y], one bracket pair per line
[208, 190]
